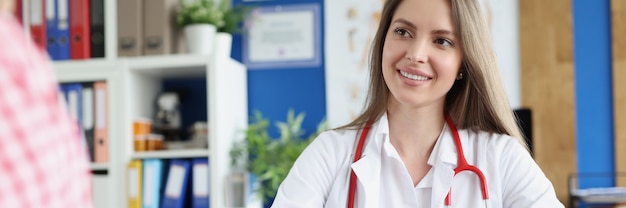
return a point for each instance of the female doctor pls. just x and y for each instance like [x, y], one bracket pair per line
[437, 130]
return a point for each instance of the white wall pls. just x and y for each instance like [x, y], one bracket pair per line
[350, 26]
[505, 33]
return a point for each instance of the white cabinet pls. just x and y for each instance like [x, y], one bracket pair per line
[109, 71]
[226, 86]
[133, 84]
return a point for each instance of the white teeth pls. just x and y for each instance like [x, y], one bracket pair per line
[413, 76]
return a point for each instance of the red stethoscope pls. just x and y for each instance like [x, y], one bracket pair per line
[462, 164]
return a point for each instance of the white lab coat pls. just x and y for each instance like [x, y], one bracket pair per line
[320, 176]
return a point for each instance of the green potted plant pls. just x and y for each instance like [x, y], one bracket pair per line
[232, 18]
[270, 159]
[200, 20]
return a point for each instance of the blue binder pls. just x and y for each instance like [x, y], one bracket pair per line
[63, 30]
[57, 29]
[51, 28]
[73, 97]
[201, 183]
[152, 178]
[176, 185]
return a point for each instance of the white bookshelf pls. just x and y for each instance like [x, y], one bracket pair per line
[109, 71]
[133, 84]
[101, 166]
[227, 106]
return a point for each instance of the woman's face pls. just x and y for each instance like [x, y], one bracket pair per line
[421, 53]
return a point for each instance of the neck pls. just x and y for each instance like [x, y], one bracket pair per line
[414, 132]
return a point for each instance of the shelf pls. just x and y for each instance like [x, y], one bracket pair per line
[101, 166]
[168, 154]
[134, 83]
[177, 65]
[84, 70]
[167, 61]
[83, 64]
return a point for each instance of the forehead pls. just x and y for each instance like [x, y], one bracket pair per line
[433, 14]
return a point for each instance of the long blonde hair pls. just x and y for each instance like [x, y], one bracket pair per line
[477, 101]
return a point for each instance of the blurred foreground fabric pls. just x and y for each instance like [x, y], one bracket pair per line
[42, 161]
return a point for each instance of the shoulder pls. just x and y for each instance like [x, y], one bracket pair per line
[494, 144]
[329, 152]
[336, 140]
[332, 146]
[491, 139]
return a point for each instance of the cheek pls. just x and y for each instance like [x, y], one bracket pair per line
[450, 64]
[391, 54]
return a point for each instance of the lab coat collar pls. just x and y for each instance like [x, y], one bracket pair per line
[367, 169]
[444, 150]
[443, 160]
[380, 130]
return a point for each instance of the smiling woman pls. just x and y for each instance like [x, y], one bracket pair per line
[421, 59]
[420, 43]
[436, 107]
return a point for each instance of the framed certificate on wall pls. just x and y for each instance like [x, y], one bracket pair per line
[283, 37]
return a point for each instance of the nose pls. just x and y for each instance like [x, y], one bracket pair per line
[417, 51]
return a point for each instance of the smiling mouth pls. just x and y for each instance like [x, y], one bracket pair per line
[414, 76]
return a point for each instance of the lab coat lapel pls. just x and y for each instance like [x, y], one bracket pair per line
[443, 160]
[367, 169]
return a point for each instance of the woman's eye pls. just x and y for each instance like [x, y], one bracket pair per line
[443, 42]
[402, 32]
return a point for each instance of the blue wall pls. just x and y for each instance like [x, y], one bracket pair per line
[594, 100]
[275, 91]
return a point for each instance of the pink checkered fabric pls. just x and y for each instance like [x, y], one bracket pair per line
[42, 161]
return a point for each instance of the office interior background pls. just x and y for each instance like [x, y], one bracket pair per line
[565, 60]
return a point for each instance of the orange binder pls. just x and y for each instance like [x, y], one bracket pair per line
[79, 30]
[101, 135]
[133, 183]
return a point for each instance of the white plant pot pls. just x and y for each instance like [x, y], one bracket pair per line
[200, 38]
[223, 45]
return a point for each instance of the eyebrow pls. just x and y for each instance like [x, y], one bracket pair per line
[434, 32]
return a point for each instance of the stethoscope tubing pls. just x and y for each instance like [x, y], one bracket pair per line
[462, 165]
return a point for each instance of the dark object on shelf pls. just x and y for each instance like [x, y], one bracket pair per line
[97, 29]
[168, 121]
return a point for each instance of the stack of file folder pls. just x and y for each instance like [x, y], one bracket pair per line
[162, 183]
